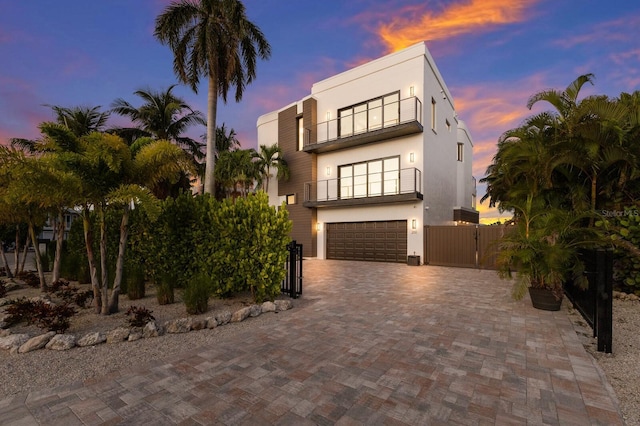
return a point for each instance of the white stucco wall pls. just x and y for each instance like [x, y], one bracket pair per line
[267, 127]
[464, 169]
[445, 184]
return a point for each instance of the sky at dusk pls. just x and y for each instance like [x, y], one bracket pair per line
[493, 54]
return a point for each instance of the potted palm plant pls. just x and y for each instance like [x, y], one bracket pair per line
[542, 251]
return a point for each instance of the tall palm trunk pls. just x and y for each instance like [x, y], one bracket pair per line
[5, 261]
[16, 252]
[34, 241]
[124, 234]
[93, 272]
[212, 106]
[103, 262]
[55, 276]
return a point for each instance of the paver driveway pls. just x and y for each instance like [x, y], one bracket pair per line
[377, 344]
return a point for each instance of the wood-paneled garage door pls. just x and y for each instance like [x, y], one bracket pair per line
[374, 241]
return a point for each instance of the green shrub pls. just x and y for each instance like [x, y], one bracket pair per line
[164, 290]
[135, 282]
[169, 243]
[247, 246]
[623, 227]
[196, 295]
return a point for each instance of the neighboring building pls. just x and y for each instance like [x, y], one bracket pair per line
[375, 154]
[48, 232]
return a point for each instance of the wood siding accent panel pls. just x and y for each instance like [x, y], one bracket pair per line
[384, 241]
[302, 168]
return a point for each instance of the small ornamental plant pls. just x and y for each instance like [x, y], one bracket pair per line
[45, 315]
[140, 316]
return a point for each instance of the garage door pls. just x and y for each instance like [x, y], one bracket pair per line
[373, 241]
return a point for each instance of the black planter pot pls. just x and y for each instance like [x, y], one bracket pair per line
[544, 299]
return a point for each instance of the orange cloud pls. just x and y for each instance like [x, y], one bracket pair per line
[460, 18]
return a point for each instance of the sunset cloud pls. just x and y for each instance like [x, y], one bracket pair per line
[418, 23]
[620, 30]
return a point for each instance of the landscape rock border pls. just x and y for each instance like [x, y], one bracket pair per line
[23, 343]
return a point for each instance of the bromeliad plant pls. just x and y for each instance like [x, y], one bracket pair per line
[543, 248]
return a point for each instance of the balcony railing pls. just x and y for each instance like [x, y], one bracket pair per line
[370, 125]
[398, 186]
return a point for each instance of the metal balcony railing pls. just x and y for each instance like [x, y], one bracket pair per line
[372, 185]
[369, 120]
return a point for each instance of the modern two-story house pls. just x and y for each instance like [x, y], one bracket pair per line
[375, 154]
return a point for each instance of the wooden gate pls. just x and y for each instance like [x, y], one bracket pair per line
[462, 246]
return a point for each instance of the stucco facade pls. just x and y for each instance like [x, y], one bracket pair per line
[376, 153]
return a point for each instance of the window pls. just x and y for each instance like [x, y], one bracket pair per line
[300, 135]
[433, 114]
[460, 151]
[370, 179]
[371, 115]
[291, 198]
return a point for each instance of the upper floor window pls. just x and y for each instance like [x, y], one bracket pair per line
[460, 152]
[373, 114]
[300, 133]
[370, 178]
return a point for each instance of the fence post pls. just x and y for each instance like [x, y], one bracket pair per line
[299, 252]
[292, 269]
[604, 301]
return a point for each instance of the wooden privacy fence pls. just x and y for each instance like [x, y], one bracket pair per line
[467, 246]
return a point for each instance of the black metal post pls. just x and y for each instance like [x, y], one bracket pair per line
[604, 321]
[292, 269]
[300, 267]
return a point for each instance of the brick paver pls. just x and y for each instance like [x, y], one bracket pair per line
[377, 344]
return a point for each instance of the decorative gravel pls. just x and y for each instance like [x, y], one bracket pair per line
[622, 367]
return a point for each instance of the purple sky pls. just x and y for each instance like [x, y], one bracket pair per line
[493, 54]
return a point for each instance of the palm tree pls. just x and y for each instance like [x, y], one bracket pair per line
[212, 38]
[81, 120]
[225, 141]
[37, 187]
[268, 158]
[162, 115]
[113, 175]
[589, 129]
[237, 171]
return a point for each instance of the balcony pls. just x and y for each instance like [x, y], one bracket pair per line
[366, 126]
[400, 186]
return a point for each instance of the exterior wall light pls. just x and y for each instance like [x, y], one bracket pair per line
[328, 171]
[414, 224]
[328, 115]
[411, 91]
[318, 226]
[412, 157]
